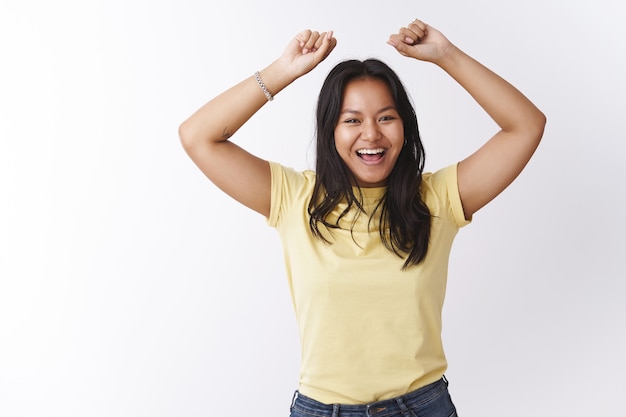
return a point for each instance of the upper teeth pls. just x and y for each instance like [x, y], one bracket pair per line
[370, 151]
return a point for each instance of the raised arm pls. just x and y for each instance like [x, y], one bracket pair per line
[205, 135]
[488, 171]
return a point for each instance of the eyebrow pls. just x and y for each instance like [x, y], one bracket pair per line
[384, 109]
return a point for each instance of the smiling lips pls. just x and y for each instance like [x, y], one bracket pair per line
[371, 155]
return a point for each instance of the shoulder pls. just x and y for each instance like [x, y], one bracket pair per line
[288, 179]
[283, 176]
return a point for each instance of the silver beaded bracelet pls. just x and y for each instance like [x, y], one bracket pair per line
[267, 93]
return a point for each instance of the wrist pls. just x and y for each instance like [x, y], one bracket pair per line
[448, 57]
[276, 77]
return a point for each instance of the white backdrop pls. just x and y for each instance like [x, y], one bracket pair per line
[130, 286]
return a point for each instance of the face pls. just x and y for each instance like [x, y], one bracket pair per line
[369, 134]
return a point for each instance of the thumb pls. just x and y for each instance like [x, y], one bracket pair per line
[402, 47]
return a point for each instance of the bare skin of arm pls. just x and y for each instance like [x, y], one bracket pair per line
[206, 134]
[488, 171]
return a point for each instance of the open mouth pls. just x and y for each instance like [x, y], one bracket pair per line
[371, 155]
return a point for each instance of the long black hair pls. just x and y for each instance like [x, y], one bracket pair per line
[404, 217]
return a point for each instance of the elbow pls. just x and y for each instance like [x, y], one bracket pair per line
[535, 126]
[194, 137]
[185, 136]
[541, 119]
[540, 125]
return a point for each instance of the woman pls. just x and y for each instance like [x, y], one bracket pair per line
[367, 235]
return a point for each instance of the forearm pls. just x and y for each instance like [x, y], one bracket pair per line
[490, 169]
[506, 105]
[221, 117]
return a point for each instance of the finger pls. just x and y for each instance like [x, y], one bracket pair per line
[326, 45]
[303, 37]
[310, 43]
[414, 31]
[413, 34]
[408, 36]
[416, 23]
[320, 40]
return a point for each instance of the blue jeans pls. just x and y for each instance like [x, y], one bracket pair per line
[433, 400]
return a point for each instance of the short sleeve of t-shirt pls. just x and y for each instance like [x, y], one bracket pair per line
[441, 188]
[288, 186]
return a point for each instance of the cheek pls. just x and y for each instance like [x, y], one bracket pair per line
[338, 148]
[396, 138]
[342, 142]
[397, 134]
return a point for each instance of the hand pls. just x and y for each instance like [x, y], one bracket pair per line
[420, 41]
[306, 51]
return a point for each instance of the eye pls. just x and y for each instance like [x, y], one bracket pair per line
[386, 118]
[351, 121]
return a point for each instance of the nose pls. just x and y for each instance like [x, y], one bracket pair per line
[370, 131]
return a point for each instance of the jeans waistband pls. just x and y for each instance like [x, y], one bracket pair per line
[383, 408]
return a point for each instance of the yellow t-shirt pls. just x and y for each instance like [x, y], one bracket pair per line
[368, 330]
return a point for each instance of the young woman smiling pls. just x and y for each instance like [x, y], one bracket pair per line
[367, 235]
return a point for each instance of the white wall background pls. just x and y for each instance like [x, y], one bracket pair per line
[130, 286]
